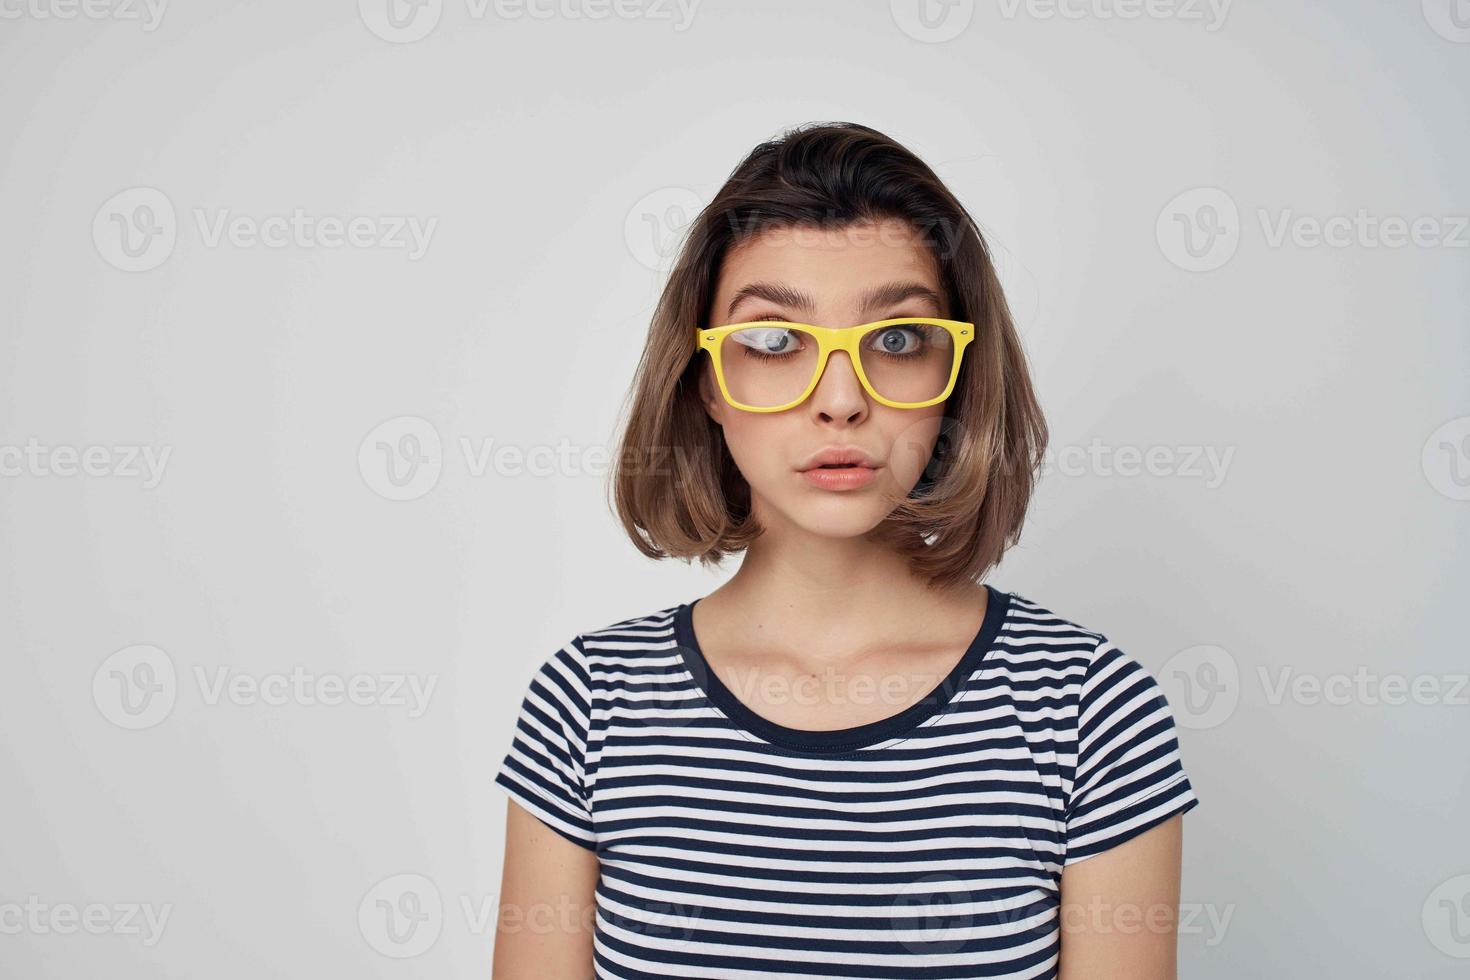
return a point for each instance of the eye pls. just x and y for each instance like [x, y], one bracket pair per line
[896, 340]
[768, 340]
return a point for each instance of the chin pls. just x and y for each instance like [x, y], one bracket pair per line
[835, 515]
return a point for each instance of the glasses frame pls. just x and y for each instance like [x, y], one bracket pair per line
[831, 339]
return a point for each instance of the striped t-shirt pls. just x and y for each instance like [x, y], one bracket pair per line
[927, 844]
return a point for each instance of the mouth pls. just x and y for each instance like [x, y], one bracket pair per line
[840, 476]
[839, 458]
[838, 467]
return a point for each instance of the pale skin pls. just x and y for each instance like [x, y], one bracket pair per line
[818, 608]
[547, 890]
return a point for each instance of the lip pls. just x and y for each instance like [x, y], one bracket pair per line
[848, 468]
[837, 455]
[847, 478]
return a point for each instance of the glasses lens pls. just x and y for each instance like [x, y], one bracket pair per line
[908, 362]
[768, 366]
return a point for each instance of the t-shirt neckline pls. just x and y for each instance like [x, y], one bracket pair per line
[838, 739]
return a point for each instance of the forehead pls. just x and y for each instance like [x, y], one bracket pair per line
[833, 265]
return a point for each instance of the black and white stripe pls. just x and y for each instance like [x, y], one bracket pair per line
[929, 844]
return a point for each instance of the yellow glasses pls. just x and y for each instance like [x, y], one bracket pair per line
[773, 365]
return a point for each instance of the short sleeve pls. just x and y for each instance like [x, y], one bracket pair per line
[1129, 776]
[545, 768]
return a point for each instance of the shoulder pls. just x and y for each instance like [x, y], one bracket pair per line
[1111, 708]
[1033, 633]
[606, 652]
[1084, 659]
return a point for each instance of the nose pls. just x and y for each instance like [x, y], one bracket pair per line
[839, 395]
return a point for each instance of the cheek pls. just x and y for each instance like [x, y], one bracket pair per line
[912, 437]
[756, 443]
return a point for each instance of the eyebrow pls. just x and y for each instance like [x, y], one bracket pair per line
[889, 294]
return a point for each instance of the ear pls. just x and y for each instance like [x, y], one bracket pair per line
[709, 393]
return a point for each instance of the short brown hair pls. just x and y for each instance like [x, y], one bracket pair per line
[970, 503]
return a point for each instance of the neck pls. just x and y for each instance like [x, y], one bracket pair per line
[837, 595]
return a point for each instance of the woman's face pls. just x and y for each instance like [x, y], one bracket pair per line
[832, 278]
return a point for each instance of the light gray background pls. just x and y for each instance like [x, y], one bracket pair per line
[557, 156]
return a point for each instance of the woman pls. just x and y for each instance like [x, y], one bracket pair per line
[851, 759]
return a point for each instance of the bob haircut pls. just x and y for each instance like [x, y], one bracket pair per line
[676, 487]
